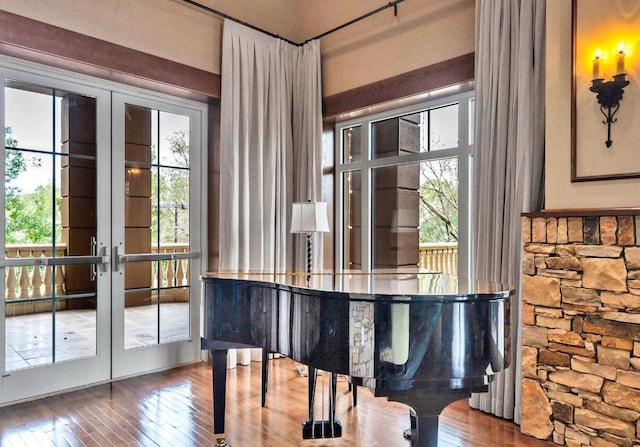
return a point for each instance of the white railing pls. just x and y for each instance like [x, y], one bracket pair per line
[172, 273]
[32, 282]
[27, 282]
[35, 282]
[439, 256]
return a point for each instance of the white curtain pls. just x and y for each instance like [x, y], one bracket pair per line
[270, 96]
[508, 160]
[307, 140]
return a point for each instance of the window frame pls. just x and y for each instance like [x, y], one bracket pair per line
[366, 164]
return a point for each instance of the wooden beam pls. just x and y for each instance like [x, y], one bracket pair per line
[40, 42]
[442, 74]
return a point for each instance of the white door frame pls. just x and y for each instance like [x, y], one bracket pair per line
[127, 362]
[28, 383]
[25, 383]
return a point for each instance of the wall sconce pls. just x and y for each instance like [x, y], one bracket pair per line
[609, 94]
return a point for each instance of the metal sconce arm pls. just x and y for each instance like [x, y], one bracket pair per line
[609, 94]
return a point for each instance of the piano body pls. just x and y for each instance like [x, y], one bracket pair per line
[424, 339]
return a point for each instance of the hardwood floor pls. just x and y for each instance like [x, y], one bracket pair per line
[173, 408]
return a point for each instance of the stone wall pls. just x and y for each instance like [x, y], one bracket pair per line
[581, 327]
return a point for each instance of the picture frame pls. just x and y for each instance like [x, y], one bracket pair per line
[591, 159]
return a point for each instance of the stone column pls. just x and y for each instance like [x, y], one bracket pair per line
[581, 327]
[137, 202]
[396, 199]
[78, 190]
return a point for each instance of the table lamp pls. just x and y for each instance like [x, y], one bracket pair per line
[309, 217]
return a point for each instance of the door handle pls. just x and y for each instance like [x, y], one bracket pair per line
[94, 251]
[119, 257]
[118, 252]
[146, 257]
[102, 260]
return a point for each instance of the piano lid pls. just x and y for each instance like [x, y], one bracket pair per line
[396, 285]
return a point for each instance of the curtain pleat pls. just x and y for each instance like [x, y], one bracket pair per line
[307, 139]
[270, 127]
[508, 161]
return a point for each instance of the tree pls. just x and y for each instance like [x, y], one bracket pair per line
[28, 217]
[170, 192]
[439, 200]
[14, 163]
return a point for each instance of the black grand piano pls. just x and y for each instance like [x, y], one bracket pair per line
[424, 339]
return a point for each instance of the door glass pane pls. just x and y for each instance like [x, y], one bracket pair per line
[396, 136]
[50, 212]
[430, 130]
[156, 221]
[415, 215]
[395, 200]
[352, 186]
[443, 128]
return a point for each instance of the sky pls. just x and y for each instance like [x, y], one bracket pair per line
[30, 116]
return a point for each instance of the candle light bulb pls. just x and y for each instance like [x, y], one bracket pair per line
[620, 61]
[596, 65]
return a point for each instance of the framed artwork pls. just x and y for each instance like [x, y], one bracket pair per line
[606, 49]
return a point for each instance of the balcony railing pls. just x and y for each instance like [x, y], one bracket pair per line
[29, 282]
[172, 273]
[439, 256]
[34, 282]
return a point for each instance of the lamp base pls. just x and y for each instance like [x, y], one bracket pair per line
[309, 258]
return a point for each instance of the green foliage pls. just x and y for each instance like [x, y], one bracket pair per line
[439, 201]
[14, 163]
[29, 217]
[170, 193]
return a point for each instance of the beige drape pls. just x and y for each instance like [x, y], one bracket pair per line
[508, 160]
[270, 146]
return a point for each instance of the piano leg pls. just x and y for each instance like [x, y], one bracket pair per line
[265, 374]
[424, 412]
[312, 378]
[219, 369]
[424, 430]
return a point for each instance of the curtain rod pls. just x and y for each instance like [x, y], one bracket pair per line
[226, 16]
[393, 4]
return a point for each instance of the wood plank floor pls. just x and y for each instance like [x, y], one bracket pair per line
[173, 408]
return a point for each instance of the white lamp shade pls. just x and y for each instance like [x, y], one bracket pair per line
[309, 217]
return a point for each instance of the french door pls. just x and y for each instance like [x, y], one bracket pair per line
[100, 242]
[156, 188]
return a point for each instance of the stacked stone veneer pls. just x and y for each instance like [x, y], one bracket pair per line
[581, 329]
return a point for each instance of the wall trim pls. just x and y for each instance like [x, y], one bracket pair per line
[439, 75]
[585, 212]
[40, 42]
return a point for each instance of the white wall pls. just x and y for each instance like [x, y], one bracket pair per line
[171, 29]
[382, 46]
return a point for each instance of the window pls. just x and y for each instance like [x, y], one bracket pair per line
[403, 187]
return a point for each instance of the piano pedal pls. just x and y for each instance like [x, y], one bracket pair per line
[411, 432]
[321, 429]
[220, 442]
